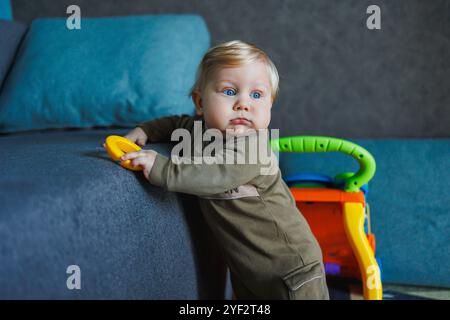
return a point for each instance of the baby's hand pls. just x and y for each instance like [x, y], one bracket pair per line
[143, 158]
[138, 136]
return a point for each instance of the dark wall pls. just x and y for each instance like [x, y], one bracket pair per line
[337, 77]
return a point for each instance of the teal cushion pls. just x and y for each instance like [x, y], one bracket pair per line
[5, 10]
[113, 71]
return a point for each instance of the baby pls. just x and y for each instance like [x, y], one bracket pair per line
[268, 245]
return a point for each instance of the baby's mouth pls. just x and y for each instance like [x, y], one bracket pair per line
[244, 121]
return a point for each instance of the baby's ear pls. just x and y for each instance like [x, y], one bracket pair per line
[196, 98]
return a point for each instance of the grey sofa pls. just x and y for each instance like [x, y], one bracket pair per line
[64, 202]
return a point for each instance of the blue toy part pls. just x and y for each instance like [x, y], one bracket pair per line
[366, 226]
[380, 267]
[308, 177]
[326, 181]
[332, 269]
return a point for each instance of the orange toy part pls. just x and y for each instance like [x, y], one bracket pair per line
[371, 238]
[326, 195]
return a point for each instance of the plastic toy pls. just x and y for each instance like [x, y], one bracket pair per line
[117, 146]
[337, 212]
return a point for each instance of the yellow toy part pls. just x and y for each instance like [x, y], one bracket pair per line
[117, 146]
[370, 271]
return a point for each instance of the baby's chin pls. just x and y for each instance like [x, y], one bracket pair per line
[239, 130]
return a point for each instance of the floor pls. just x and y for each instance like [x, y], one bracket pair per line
[340, 290]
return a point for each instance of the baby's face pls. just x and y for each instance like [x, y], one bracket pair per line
[237, 99]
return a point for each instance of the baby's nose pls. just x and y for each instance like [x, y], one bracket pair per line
[242, 106]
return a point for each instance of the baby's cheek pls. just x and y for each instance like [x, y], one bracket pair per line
[263, 119]
[216, 121]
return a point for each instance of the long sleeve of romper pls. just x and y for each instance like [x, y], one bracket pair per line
[160, 130]
[202, 179]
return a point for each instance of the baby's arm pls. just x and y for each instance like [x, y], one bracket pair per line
[208, 179]
[200, 179]
[205, 178]
[160, 130]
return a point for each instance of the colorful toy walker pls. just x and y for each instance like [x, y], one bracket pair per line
[337, 212]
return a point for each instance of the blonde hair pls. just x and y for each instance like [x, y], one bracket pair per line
[233, 54]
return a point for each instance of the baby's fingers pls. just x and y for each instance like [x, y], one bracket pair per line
[130, 155]
[130, 137]
[140, 142]
[138, 161]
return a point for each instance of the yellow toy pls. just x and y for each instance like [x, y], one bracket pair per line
[117, 146]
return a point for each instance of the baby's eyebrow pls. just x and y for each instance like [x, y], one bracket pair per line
[262, 84]
[229, 81]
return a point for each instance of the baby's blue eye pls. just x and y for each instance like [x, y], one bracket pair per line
[256, 95]
[229, 92]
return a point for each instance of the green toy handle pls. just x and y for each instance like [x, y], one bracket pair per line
[366, 161]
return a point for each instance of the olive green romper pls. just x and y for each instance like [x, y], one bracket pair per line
[267, 243]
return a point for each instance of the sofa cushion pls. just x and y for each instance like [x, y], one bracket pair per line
[112, 71]
[11, 34]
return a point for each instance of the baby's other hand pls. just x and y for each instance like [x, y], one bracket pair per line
[138, 136]
[143, 158]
